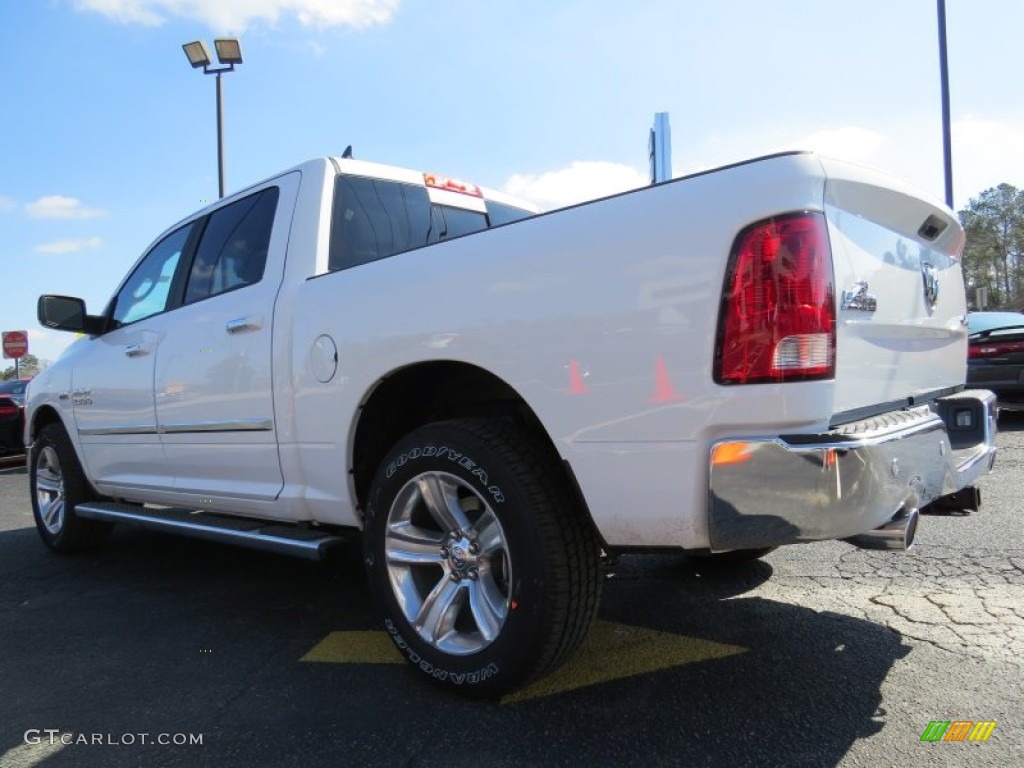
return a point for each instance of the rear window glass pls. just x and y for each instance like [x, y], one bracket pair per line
[374, 219]
[499, 213]
[449, 222]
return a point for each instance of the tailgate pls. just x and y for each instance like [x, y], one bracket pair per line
[901, 330]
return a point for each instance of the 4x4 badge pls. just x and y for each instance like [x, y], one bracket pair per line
[856, 297]
[931, 283]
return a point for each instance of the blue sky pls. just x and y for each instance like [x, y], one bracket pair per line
[108, 136]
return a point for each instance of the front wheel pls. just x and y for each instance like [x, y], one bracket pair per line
[57, 483]
[485, 567]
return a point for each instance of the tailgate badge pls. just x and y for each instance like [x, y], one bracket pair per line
[857, 298]
[931, 283]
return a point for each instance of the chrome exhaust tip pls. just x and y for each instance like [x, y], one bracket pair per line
[897, 534]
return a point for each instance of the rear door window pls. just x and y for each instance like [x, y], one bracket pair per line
[233, 250]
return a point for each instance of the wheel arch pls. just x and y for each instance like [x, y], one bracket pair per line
[423, 393]
[43, 416]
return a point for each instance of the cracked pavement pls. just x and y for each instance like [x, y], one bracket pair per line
[847, 655]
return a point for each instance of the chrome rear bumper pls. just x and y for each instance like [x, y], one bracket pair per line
[850, 480]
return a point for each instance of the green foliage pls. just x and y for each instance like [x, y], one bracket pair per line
[993, 257]
[28, 367]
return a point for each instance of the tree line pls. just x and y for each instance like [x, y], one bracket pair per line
[28, 367]
[993, 258]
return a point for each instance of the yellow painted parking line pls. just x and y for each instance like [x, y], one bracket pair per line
[611, 651]
[355, 648]
[40, 748]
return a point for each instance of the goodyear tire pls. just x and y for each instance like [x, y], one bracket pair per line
[57, 484]
[485, 568]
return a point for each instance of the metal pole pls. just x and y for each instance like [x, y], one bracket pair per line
[220, 136]
[947, 141]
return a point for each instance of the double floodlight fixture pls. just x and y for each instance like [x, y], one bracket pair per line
[229, 53]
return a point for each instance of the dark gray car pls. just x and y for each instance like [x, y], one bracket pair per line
[995, 355]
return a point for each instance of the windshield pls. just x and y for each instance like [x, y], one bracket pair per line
[13, 387]
[978, 322]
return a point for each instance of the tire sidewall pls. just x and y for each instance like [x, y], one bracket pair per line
[508, 657]
[76, 487]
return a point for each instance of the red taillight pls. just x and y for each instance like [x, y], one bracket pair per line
[778, 312]
[8, 410]
[982, 350]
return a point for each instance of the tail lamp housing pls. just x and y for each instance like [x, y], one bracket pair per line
[778, 318]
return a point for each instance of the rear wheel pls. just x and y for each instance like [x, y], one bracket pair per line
[57, 483]
[485, 567]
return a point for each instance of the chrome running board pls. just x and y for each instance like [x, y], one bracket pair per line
[265, 535]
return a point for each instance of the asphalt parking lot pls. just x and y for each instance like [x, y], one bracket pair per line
[821, 655]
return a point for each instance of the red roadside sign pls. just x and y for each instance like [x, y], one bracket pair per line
[15, 344]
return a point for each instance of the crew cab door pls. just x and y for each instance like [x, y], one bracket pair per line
[213, 383]
[112, 381]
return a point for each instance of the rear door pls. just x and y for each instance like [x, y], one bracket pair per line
[901, 323]
[213, 382]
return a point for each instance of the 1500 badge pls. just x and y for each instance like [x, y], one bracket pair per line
[81, 396]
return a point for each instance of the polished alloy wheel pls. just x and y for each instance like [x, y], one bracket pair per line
[50, 490]
[448, 563]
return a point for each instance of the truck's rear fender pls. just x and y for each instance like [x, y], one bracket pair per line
[432, 391]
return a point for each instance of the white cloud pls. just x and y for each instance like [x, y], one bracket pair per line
[61, 207]
[69, 246]
[581, 181]
[984, 150]
[236, 15]
[986, 153]
[849, 143]
[48, 345]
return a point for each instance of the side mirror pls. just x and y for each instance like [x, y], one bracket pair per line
[67, 313]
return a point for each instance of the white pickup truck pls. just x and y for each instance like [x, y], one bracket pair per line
[495, 400]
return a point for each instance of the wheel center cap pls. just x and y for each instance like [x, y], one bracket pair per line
[461, 557]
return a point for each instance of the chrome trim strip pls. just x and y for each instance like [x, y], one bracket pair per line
[233, 425]
[126, 429]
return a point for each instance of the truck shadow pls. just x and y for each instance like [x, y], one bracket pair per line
[155, 634]
[1011, 421]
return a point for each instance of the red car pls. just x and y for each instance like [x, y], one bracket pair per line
[12, 416]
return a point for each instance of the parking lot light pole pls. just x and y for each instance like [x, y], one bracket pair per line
[229, 53]
[947, 141]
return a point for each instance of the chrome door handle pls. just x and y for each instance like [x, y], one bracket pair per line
[134, 350]
[243, 324]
